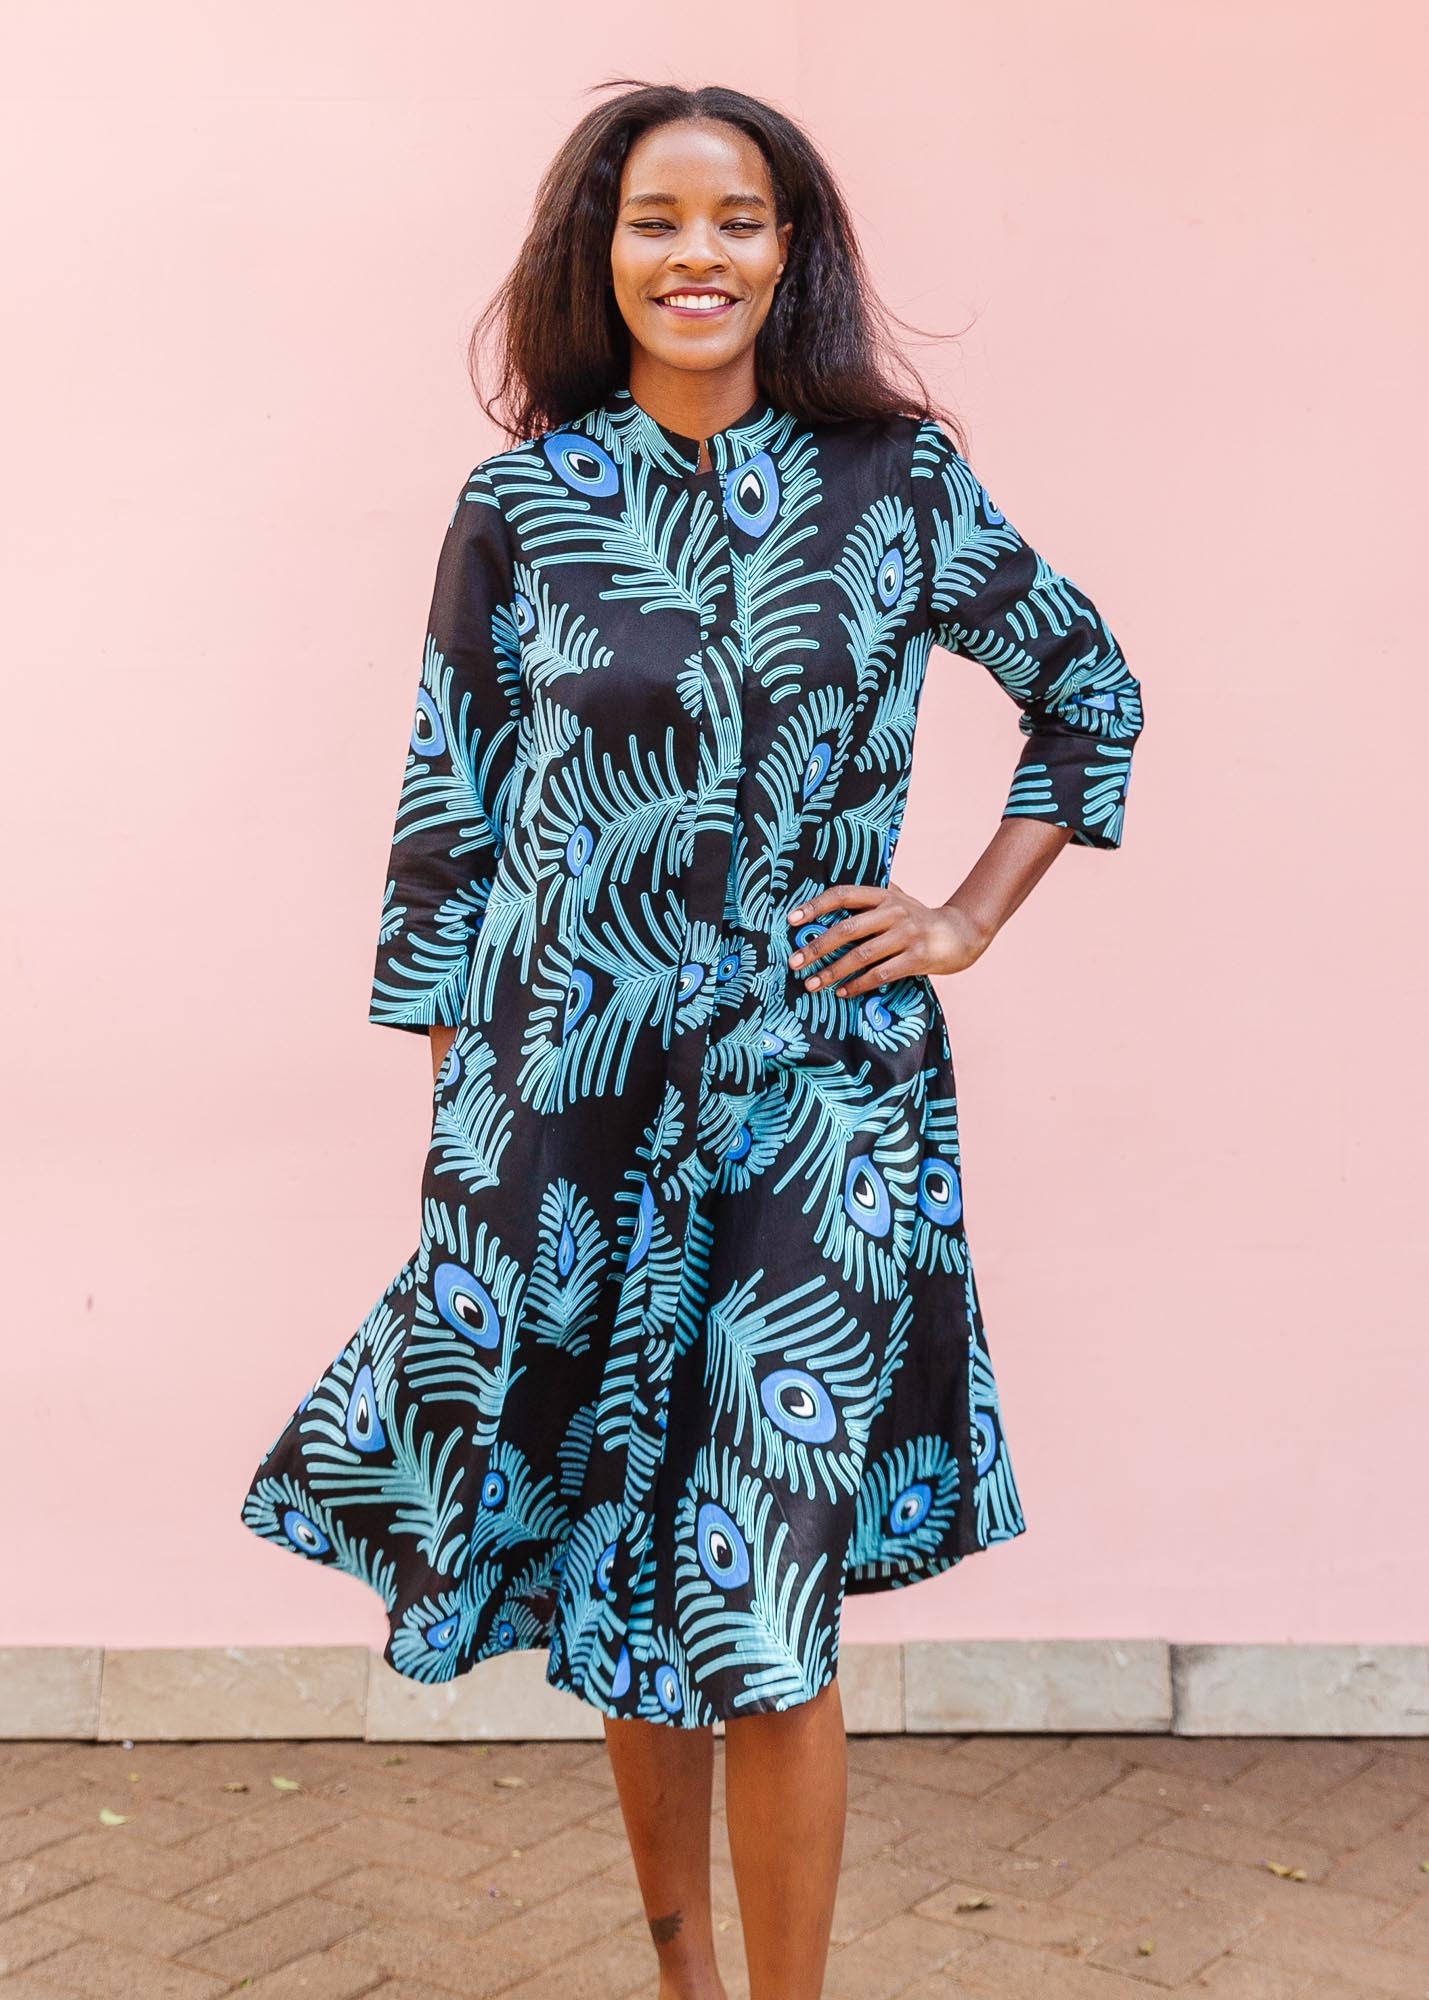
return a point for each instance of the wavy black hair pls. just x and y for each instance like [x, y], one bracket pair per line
[824, 351]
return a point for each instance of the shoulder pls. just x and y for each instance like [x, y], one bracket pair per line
[933, 451]
[488, 482]
[488, 475]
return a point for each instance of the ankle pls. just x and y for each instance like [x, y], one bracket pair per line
[691, 1982]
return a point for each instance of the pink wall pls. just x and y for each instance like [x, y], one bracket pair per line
[1192, 1073]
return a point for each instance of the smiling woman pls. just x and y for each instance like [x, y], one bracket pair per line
[690, 1347]
[694, 261]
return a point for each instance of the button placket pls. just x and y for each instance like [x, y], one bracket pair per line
[675, 1175]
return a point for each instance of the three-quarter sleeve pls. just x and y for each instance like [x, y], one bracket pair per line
[452, 813]
[995, 598]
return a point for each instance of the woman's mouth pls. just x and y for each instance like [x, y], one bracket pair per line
[697, 305]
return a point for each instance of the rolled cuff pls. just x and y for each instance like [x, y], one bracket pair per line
[1070, 778]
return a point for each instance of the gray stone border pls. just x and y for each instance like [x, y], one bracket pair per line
[963, 1687]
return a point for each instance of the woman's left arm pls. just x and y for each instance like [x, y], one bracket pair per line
[993, 597]
[894, 936]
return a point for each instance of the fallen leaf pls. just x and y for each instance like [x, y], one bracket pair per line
[509, 1783]
[1146, 1947]
[974, 1902]
[236, 1785]
[108, 1818]
[398, 1759]
[285, 1784]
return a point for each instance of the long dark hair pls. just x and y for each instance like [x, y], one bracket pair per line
[824, 351]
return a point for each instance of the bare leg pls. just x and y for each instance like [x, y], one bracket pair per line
[786, 1796]
[664, 1775]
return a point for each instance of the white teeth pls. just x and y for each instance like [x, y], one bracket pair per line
[700, 301]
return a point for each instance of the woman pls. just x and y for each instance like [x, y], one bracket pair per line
[691, 1344]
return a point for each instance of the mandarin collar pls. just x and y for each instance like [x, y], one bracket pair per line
[630, 431]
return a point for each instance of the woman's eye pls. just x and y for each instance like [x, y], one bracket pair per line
[657, 222]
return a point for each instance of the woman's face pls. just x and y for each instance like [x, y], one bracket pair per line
[696, 217]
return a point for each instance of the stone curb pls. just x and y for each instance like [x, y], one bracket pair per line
[962, 1687]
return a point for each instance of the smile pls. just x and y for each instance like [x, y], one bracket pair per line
[697, 305]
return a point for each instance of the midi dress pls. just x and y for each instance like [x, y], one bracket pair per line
[690, 1346]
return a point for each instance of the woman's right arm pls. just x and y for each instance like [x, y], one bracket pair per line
[453, 808]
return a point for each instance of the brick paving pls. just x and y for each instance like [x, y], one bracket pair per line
[1060, 1867]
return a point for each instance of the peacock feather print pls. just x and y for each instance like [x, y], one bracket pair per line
[689, 1347]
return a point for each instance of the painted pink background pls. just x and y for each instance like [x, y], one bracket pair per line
[246, 256]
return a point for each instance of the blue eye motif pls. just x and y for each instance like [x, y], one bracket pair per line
[995, 515]
[692, 978]
[738, 1148]
[364, 1427]
[578, 993]
[440, 1635]
[667, 1688]
[466, 1305]
[305, 1535]
[525, 614]
[816, 768]
[723, 1552]
[910, 1507]
[727, 967]
[565, 1250]
[505, 1634]
[620, 1681]
[984, 1443]
[579, 849]
[604, 1567]
[751, 494]
[493, 1489]
[429, 739]
[581, 463]
[771, 1044]
[450, 1068]
[1104, 701]
[890, 577]
[940, 1195]
[877, 1012]
[644, 1228]
[866, 1198]
[799, 1404]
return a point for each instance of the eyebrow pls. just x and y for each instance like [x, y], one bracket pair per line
[725, 201]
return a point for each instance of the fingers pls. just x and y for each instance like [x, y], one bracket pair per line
[842, 937]
[902, 965]
[861, 968]
[838, 896]
[871, 914]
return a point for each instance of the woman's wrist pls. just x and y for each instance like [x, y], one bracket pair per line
[974, 928]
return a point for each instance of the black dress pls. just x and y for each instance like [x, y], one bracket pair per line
[690, 1345]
